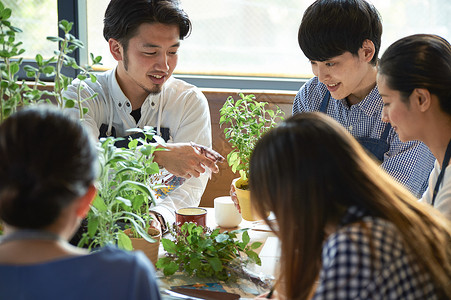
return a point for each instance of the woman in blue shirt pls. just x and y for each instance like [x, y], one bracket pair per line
[47, 170]
[347, 229]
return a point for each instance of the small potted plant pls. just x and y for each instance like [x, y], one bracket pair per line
[199, 251]
[246, 121]
[120, 212]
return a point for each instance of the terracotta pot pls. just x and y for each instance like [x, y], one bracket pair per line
[149, 249]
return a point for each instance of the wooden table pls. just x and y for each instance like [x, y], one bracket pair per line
[268, 252]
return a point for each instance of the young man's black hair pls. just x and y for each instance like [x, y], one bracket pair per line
[329, 28]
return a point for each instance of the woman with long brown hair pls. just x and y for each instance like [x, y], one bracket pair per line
[347, 229]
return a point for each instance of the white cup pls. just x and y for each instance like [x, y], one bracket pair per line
[226, 214]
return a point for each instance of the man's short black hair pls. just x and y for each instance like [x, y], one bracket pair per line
[330, 28]
[123, 17]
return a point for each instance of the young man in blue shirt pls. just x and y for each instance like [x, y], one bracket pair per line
[342, 41]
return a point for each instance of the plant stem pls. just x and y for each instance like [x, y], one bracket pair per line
[59, 65]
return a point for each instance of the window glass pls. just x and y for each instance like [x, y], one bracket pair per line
[259, 37]
[26, 15]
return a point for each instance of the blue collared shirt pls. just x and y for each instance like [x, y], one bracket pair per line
[409, 163]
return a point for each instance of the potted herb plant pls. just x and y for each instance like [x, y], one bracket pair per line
[126, 190]
[201, 252]
[246, 120]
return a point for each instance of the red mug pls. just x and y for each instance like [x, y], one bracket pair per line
[196, 215]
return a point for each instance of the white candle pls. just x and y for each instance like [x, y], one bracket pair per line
[226, 214]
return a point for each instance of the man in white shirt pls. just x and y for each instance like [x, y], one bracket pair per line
[144, 38]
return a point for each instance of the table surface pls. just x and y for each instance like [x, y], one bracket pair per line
[268, 252]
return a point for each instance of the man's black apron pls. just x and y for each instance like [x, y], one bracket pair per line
[377, 147]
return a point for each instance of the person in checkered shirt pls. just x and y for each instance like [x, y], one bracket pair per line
[347, 229]
[342, 41]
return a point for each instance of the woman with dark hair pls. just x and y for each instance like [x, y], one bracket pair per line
[47, 170]
[414, 80]
[347, 229]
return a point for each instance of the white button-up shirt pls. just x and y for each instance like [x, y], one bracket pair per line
[181, 107]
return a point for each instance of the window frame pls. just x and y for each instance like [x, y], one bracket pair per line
[67, 10]
[70, 10]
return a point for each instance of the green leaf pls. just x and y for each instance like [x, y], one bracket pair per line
[81, 77]
[195, 263]
[215, 263]
[222, 237]
[39, 59]
[205, 243]
[255, 245]
[162, 262]
[170, 268]
[138, 201]
[55, 39]
[6, 14]
[66, 25]
[69, 103]
[246, 237]
[95, 59]
[99, 204]
[124, 201]
[254, 256]
[93, 225]
[153, 168]
[124, 242]
[29, 68]
[14, 68]
[168, 245]
[147, 150]
[93, 78]
[48, 70]
[5, 53]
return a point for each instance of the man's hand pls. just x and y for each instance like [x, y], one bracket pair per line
[155, 223]
[188, 159]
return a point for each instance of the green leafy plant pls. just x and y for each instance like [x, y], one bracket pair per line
[15, 94]
[125, 192]
[247, 120]
[198, 251]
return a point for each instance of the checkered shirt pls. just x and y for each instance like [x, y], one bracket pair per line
[410, 163]
[349, 272]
